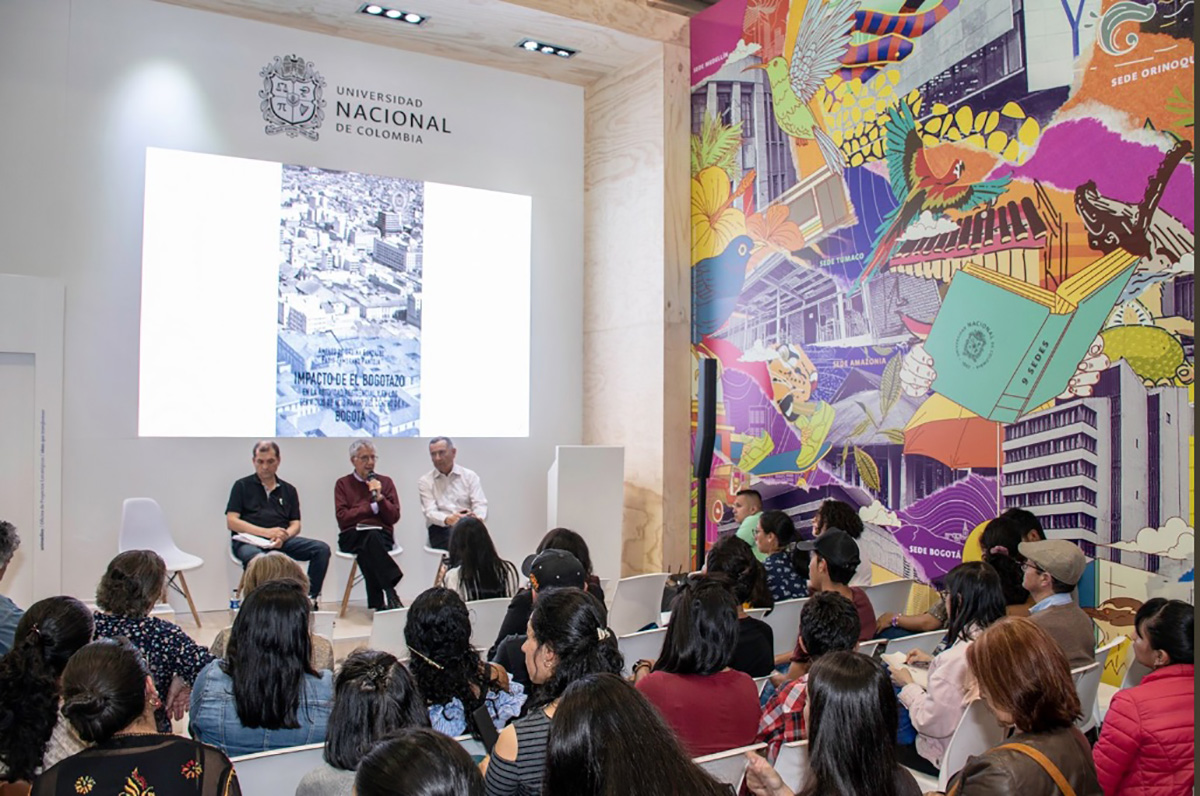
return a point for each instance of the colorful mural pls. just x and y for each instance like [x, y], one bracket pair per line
[944, 255]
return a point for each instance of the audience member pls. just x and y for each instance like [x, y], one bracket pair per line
[374, 695]
[10, 614]
[974, 600]
[852, 720]
[110, 700]
[710, 706]
[1052, 570]
[1023, 676]
[828, 623]
[892, 625]
[1029, 526]
[448, 670]
[418, 762]
[449, 492]
[276, 566]
[367, 509]
[133, 583]
[837, 514]
[567, 638]
[265, 693]
[773, 537]
[266, 509]
[479, 572]
[832, 565]
[747, 507]
[33, 734]
[731, 563]
[607, 739]
[1000, 542]
[552, 569]
[517, 616]
[1147, 745]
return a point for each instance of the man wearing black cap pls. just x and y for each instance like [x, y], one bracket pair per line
[549, 569]
[833, 563]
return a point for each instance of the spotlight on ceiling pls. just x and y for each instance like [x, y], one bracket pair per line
[534, 45]
[394, 14]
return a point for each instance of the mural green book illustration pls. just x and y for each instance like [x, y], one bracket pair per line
[1002, 347]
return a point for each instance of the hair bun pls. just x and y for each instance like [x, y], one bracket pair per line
[83, 706]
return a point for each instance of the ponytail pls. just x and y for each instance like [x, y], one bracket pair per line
[574, 625]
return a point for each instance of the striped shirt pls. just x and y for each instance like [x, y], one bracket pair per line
[523, 776]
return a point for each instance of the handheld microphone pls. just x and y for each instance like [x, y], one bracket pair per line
[374, 492]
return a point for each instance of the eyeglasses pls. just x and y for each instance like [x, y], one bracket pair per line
[1030, 565]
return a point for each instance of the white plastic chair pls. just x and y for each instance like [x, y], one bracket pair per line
[609, 587]
[355, 577]
[889, 598]
[761, 682]
[387, 632]
[144, 527]
[1087, 685]
[637, 603]
[792, 764]
[978, 730]
[729, 766]
[757, 613]
[784, 620]
[277, 771]
[925, 642]
[486, 618]
[646, 645]
[322, 623]
[868, 647]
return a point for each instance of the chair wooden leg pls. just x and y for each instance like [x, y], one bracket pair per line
[349, 587]
[188, 594]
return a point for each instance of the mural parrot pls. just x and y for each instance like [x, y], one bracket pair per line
[716, 284]
[821, 41]
[918, 189]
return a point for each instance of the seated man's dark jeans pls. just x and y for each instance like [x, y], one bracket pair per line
[439, 537]
[315, 552]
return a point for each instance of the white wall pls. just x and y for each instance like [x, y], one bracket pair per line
[87, 85]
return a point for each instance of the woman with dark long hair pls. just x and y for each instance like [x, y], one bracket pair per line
[1000, 539]
[606, 738]
[33, 734]
[109, 698]
[974, 600]
[418, 762]
[1149, 738]
[710, 706]
[851, 717]
[374, 695]
[130, 587]
[265, 693]
[731, 562]
[774, 536]
[449, 672]
[479, 573]
[567, 638]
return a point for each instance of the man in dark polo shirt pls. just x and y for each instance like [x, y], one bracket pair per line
[266, 510]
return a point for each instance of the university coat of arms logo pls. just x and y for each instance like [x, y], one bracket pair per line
[291, 97]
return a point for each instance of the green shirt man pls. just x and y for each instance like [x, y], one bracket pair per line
[747, 508]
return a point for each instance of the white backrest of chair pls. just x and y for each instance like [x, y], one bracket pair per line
[728, 766]
[1087, 685]
[278, 771]
[1102, 652]
[609, 587]
[757, 613]
[486, 618]
[925, 642]
[868, 647]
[637, 603]
[889, 597]
[321, 623]
[761, 682]
[784, 620]
[1134, 672]
[978, 730]
[646, 645]
[144, 527]
[387, 632]
[792, 764]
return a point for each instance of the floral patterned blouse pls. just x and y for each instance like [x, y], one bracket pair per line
[141, 765]
[784, 582]
[167, 649]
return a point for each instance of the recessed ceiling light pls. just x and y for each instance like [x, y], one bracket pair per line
[396, 14]
[533, 45]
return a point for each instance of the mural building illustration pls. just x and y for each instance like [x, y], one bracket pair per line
[943, 252]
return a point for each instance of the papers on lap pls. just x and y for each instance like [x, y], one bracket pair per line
[896, 661]
[250, 538]
[364, 527]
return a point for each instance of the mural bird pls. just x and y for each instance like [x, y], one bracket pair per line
[716, 284]
[821, 41]
[918, 189]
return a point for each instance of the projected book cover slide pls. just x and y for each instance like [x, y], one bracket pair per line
[349, 313]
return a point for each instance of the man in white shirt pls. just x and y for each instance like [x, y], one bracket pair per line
[449, 492]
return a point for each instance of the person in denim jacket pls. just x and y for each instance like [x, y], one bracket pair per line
[264, 694]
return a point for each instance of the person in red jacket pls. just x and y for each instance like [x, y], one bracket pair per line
[367, 510]
[1147, 745]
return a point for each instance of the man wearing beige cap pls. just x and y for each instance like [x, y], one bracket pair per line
[1052, 571]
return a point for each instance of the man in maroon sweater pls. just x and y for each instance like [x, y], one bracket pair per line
[367, 510]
